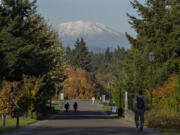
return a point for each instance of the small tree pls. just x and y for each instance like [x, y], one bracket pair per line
[10, 91]
[118, 96]
[30, 86]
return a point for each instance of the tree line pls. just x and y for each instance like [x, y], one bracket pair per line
[100, 66]
[30, 52]
[158, 31]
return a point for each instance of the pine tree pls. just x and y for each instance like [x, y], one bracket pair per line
[25, 40]
[68, 52]
[29, 46]
[158, 31]
[81, 56]
[108, 55]
[153, 34]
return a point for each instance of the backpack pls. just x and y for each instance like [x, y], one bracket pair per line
[140, 103]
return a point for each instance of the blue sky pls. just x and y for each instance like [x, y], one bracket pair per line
[112, 13]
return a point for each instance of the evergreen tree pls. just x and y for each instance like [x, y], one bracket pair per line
[153, 34]
[29, 46]
[157, 31]
[81, 56]
[108, 55]
[68, 55]
[25, 40]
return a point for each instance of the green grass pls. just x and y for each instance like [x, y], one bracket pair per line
[56, 107]
[171, 132]
[98, 101]
[107, 108]
[11, 123]
[114, 115]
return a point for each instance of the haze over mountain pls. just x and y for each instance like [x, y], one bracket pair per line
[96, 35]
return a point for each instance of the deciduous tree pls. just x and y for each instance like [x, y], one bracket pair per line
[80, 84]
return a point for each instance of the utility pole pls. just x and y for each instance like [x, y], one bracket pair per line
[120, 111]
[151, 59]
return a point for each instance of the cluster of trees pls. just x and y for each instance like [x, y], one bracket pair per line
[158, 31]
[157, 28]
[98, 65]
[80, 84]
[29, 46]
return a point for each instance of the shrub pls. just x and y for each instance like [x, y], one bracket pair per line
[164, 119]
[23, 93]
[10, 92]
[165, 112]
[164, 96]
[117, 92]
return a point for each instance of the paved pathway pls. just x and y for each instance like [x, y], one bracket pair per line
[89, 120]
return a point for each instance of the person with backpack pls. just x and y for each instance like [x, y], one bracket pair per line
[139, 107]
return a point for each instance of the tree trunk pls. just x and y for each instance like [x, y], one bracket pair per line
[4, 119]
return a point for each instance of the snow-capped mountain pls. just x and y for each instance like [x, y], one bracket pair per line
[96, 35]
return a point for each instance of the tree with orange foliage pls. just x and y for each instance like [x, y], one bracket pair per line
[9, 91]
[79, 84]
[22, 93]
[164, 96]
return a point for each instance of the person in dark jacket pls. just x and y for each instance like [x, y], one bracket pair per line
[139, 107]
[75, 106]
[66, 106]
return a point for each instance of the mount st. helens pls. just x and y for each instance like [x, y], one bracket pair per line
[96, 35]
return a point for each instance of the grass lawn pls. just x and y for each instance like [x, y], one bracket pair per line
[170, 132]
[98, 101]
[107, 109]
[55, 106]
[11, 123]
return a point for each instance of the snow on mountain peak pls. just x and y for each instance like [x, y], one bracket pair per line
[82, 28]
[96, 35]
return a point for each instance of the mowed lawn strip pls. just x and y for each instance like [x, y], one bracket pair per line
[173, 132]
[11, 123]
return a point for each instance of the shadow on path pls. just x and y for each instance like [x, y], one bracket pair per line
[86, 131]
[82, 115]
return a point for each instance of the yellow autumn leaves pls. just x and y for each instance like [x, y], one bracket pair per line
[79, 84]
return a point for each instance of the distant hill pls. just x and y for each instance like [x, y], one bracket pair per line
[96, 35]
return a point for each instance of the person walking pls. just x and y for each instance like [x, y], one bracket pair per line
[93, 100]
[75, 106]
[66, 106]
[139, 107]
